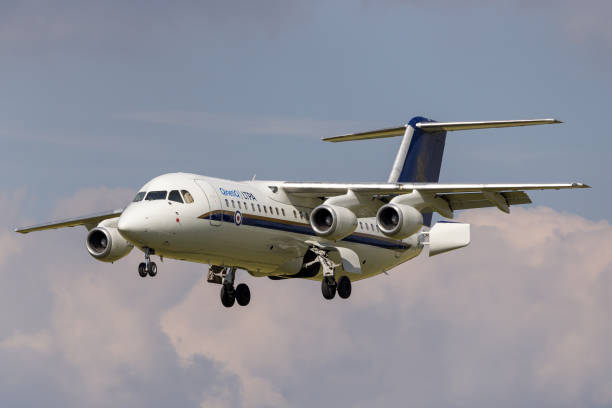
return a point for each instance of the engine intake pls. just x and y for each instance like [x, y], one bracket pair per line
[106, 244]
[333, 222]
[398, 221]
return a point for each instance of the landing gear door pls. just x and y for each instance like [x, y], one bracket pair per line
[214, 204]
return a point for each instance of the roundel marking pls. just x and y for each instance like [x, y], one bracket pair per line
[237, 218]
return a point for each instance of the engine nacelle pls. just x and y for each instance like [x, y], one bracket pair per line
[106, 244]
[399, 221]
[333, 222]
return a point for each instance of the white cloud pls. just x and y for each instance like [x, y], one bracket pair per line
[523, 308]
[39, 342]
[520, 317]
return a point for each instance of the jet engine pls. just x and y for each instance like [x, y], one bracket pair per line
[106, 244]
[333, 222]
[398, 221]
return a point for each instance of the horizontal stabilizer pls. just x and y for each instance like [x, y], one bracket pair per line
[450, 126]
[372, 134]
[439, 126]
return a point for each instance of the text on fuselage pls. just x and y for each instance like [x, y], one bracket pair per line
[238, 194]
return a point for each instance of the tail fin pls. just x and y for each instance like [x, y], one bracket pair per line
[419, 158]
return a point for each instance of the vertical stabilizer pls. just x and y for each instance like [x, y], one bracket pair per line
[419, 158]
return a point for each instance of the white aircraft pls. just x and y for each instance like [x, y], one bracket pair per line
[335, 233]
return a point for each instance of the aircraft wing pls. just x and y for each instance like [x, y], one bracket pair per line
[89, 221]
[457, 196]
[381, 189]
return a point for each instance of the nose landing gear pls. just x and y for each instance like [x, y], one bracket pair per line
[147, 267]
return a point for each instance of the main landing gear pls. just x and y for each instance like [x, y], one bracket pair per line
[147, 267]
[229, 294]
[329, 286]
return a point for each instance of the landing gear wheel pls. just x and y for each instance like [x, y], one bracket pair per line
[344, 287]
[328, 288]
[152, 269]
[243, 294]
[228, 295]
[142, 270]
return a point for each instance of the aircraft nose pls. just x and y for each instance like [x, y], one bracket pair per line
[130, 225]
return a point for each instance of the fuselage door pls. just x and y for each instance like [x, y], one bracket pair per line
[214, 204]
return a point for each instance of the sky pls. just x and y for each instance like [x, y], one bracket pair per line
[100, 97]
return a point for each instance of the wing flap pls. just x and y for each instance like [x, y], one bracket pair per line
[87, 220]
[468, 201]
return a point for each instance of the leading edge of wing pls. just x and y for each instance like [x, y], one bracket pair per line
[72, 222]
[323, 189]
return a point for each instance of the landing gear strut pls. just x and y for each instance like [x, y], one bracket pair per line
[147, 267]
[229, 295]
[329, 286]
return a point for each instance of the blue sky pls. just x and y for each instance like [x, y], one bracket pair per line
[99, 97]
[111, 95]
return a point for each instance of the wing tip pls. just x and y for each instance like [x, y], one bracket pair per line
[580, 185]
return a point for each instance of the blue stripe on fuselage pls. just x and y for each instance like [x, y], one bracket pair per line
[307, 230]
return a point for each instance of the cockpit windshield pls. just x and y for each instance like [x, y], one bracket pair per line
[139, 197]
[156, 195]
[175, 196]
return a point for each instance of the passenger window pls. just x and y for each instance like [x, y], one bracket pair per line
[187, 196]
[276, 208]
[360, 225]
[258, 208]
[265, 209]
[271, 210]
[253, 207]
[226, 203]
[175, 196]
[283, 211]
[294, 214]
[246, 206]
[139, 197]
[239, 206]
[372, 226]
[367, 228]
[156, 195]
[233, 204]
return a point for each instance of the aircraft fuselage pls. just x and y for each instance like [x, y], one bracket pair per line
[249, 225]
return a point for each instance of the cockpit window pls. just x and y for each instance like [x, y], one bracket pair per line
[139, 196]
[187, 196]
[156, 195]
[175, 196]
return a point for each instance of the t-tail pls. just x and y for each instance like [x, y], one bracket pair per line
[419, 158]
